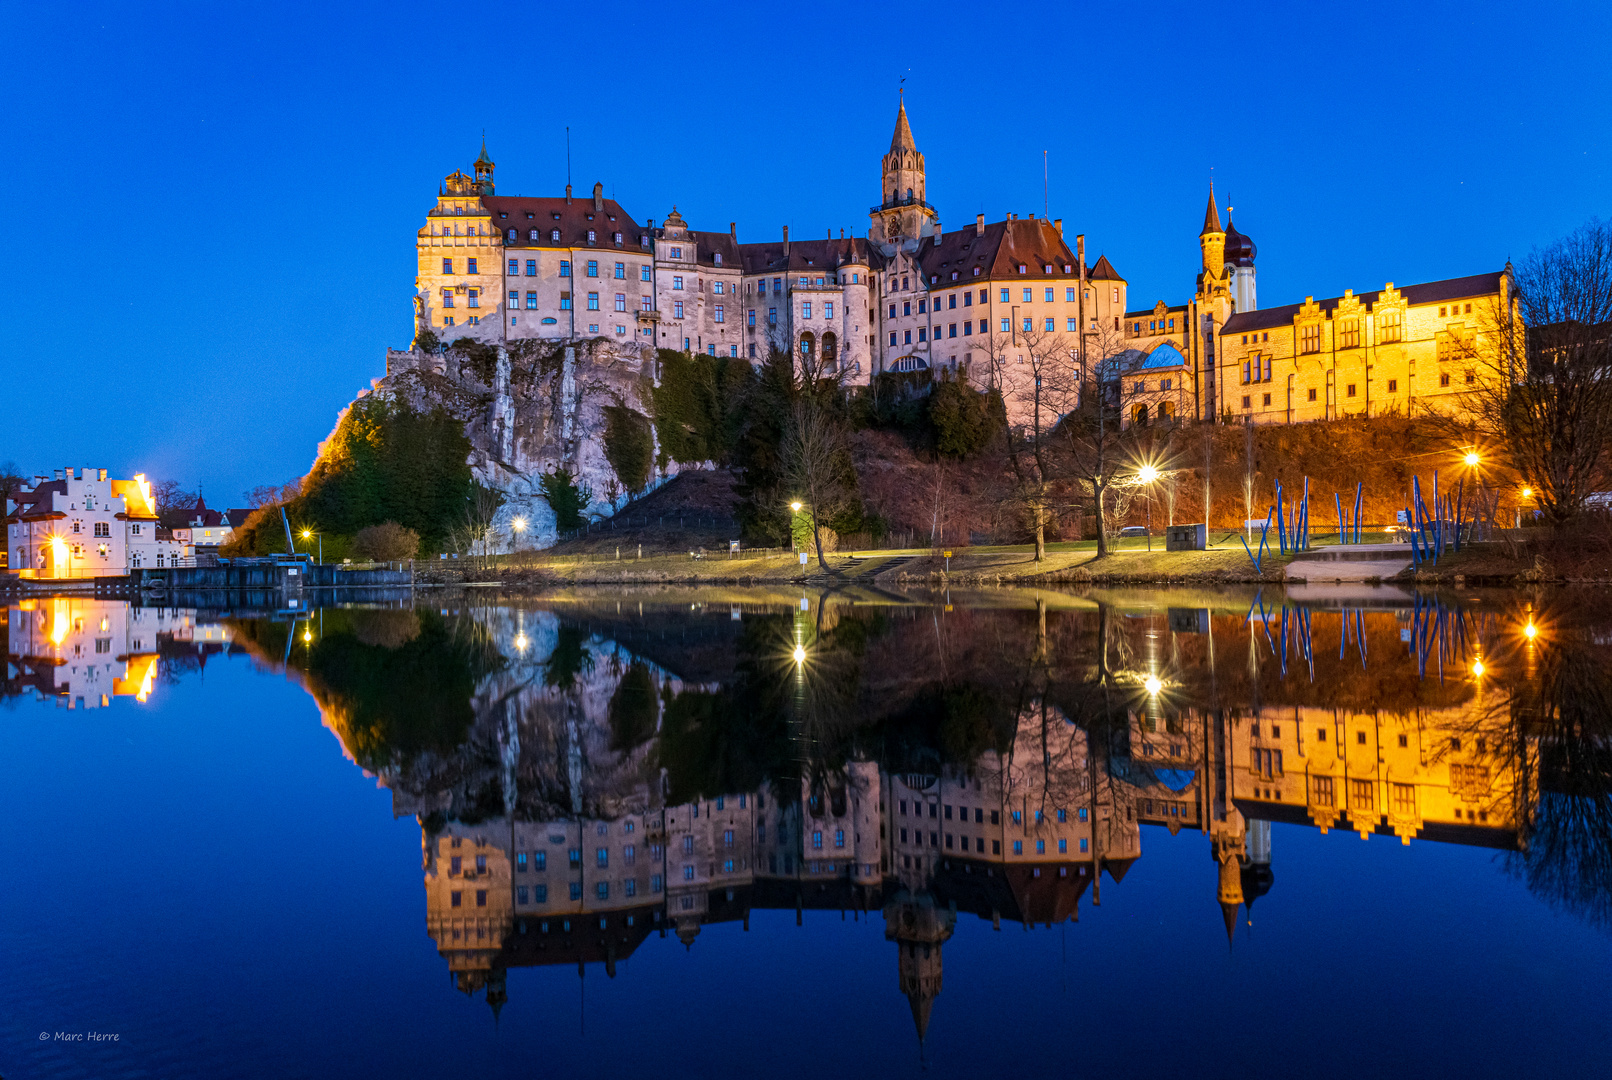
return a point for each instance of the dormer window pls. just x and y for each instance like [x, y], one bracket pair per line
[976, 271]
[554, 215]
[954, 275]
[933, 278]
[643, 241]
[528, 215]
[512, 236]
[554, 234]
[592, 237]
[1022, 268]
[1049, 268]
[718, 258]
[677, 253]
[618, 239]
[1068, 269]
[532, 235]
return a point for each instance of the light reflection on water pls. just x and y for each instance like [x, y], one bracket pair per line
[594, 776]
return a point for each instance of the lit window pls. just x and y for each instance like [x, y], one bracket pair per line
[593, 301]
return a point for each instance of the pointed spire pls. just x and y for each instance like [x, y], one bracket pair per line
[921, 1003]
[1211, 214]
[902, 139]
[1229, 912]
[483, 159]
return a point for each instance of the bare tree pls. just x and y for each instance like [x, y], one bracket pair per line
[1036, 373]
[1543, 398]
[1093, 438]
[816, 464]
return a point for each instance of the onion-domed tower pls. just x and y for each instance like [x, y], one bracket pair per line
[1239, 258]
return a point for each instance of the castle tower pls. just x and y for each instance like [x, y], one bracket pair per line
[1213, 281]
[1230, 890]
[1239, 261]
[919, 927]
[904, 213]
[484, 170]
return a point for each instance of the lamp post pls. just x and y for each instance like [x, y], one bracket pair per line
[309, 533]
[794, 508]
[1148, 475]
[519, 525]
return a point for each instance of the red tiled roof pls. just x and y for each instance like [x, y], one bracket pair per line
[573, 221]
[805, 256]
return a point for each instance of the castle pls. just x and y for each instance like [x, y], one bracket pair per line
[912, 296]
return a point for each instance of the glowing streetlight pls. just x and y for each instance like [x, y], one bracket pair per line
[1471, 458]
[1153, 686]
[800, 654]
[307, 637]
[1530, 631]
[1527, 493]
[795, 506]
[308, 534]
[521, 643]
[1477, 668]
[1148, 474]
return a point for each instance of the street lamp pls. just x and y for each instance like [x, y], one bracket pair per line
[1471, 459]
[795, 506]
[309, 533]
[519, 525]
[1148, 475]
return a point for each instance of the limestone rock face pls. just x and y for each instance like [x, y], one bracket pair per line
[529, 407]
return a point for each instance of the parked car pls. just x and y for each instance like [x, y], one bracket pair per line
[1134, 530]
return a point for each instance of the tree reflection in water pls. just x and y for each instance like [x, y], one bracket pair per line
[586, 778]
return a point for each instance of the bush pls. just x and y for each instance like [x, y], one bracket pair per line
[699, 404]
[384, 462]
[427, 341]
[964, 419]
[629, 446]
[568, 499]
[386, 542]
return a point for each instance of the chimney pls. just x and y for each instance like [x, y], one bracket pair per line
[733, 229]
[568, 194]
[1080, 256]
[1057, 223]
[59, 475]
[598, 197]
[786, 241]
[938, 233]
[979, 224]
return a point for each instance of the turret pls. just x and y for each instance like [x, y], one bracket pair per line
[1238, 257]
[903, 212]
[484, 170]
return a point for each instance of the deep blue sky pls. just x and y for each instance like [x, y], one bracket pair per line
[214, 205]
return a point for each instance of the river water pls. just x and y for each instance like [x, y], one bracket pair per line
[720, 832]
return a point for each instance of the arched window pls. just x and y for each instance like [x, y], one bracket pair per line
[830, 349]
[807, 343]
[909, 193]
[1139, 416]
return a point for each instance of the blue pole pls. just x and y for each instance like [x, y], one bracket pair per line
[1337, 501]
[1360, 488]
[1281, 524]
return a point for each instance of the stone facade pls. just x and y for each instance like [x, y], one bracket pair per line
[907, 296]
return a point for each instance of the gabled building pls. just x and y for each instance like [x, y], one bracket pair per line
[83, 524]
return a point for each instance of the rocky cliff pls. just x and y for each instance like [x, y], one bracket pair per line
[529, 407]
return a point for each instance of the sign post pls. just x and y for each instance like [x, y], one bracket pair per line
[948, 557]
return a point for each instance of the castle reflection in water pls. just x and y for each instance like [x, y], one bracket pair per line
[591, 774]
